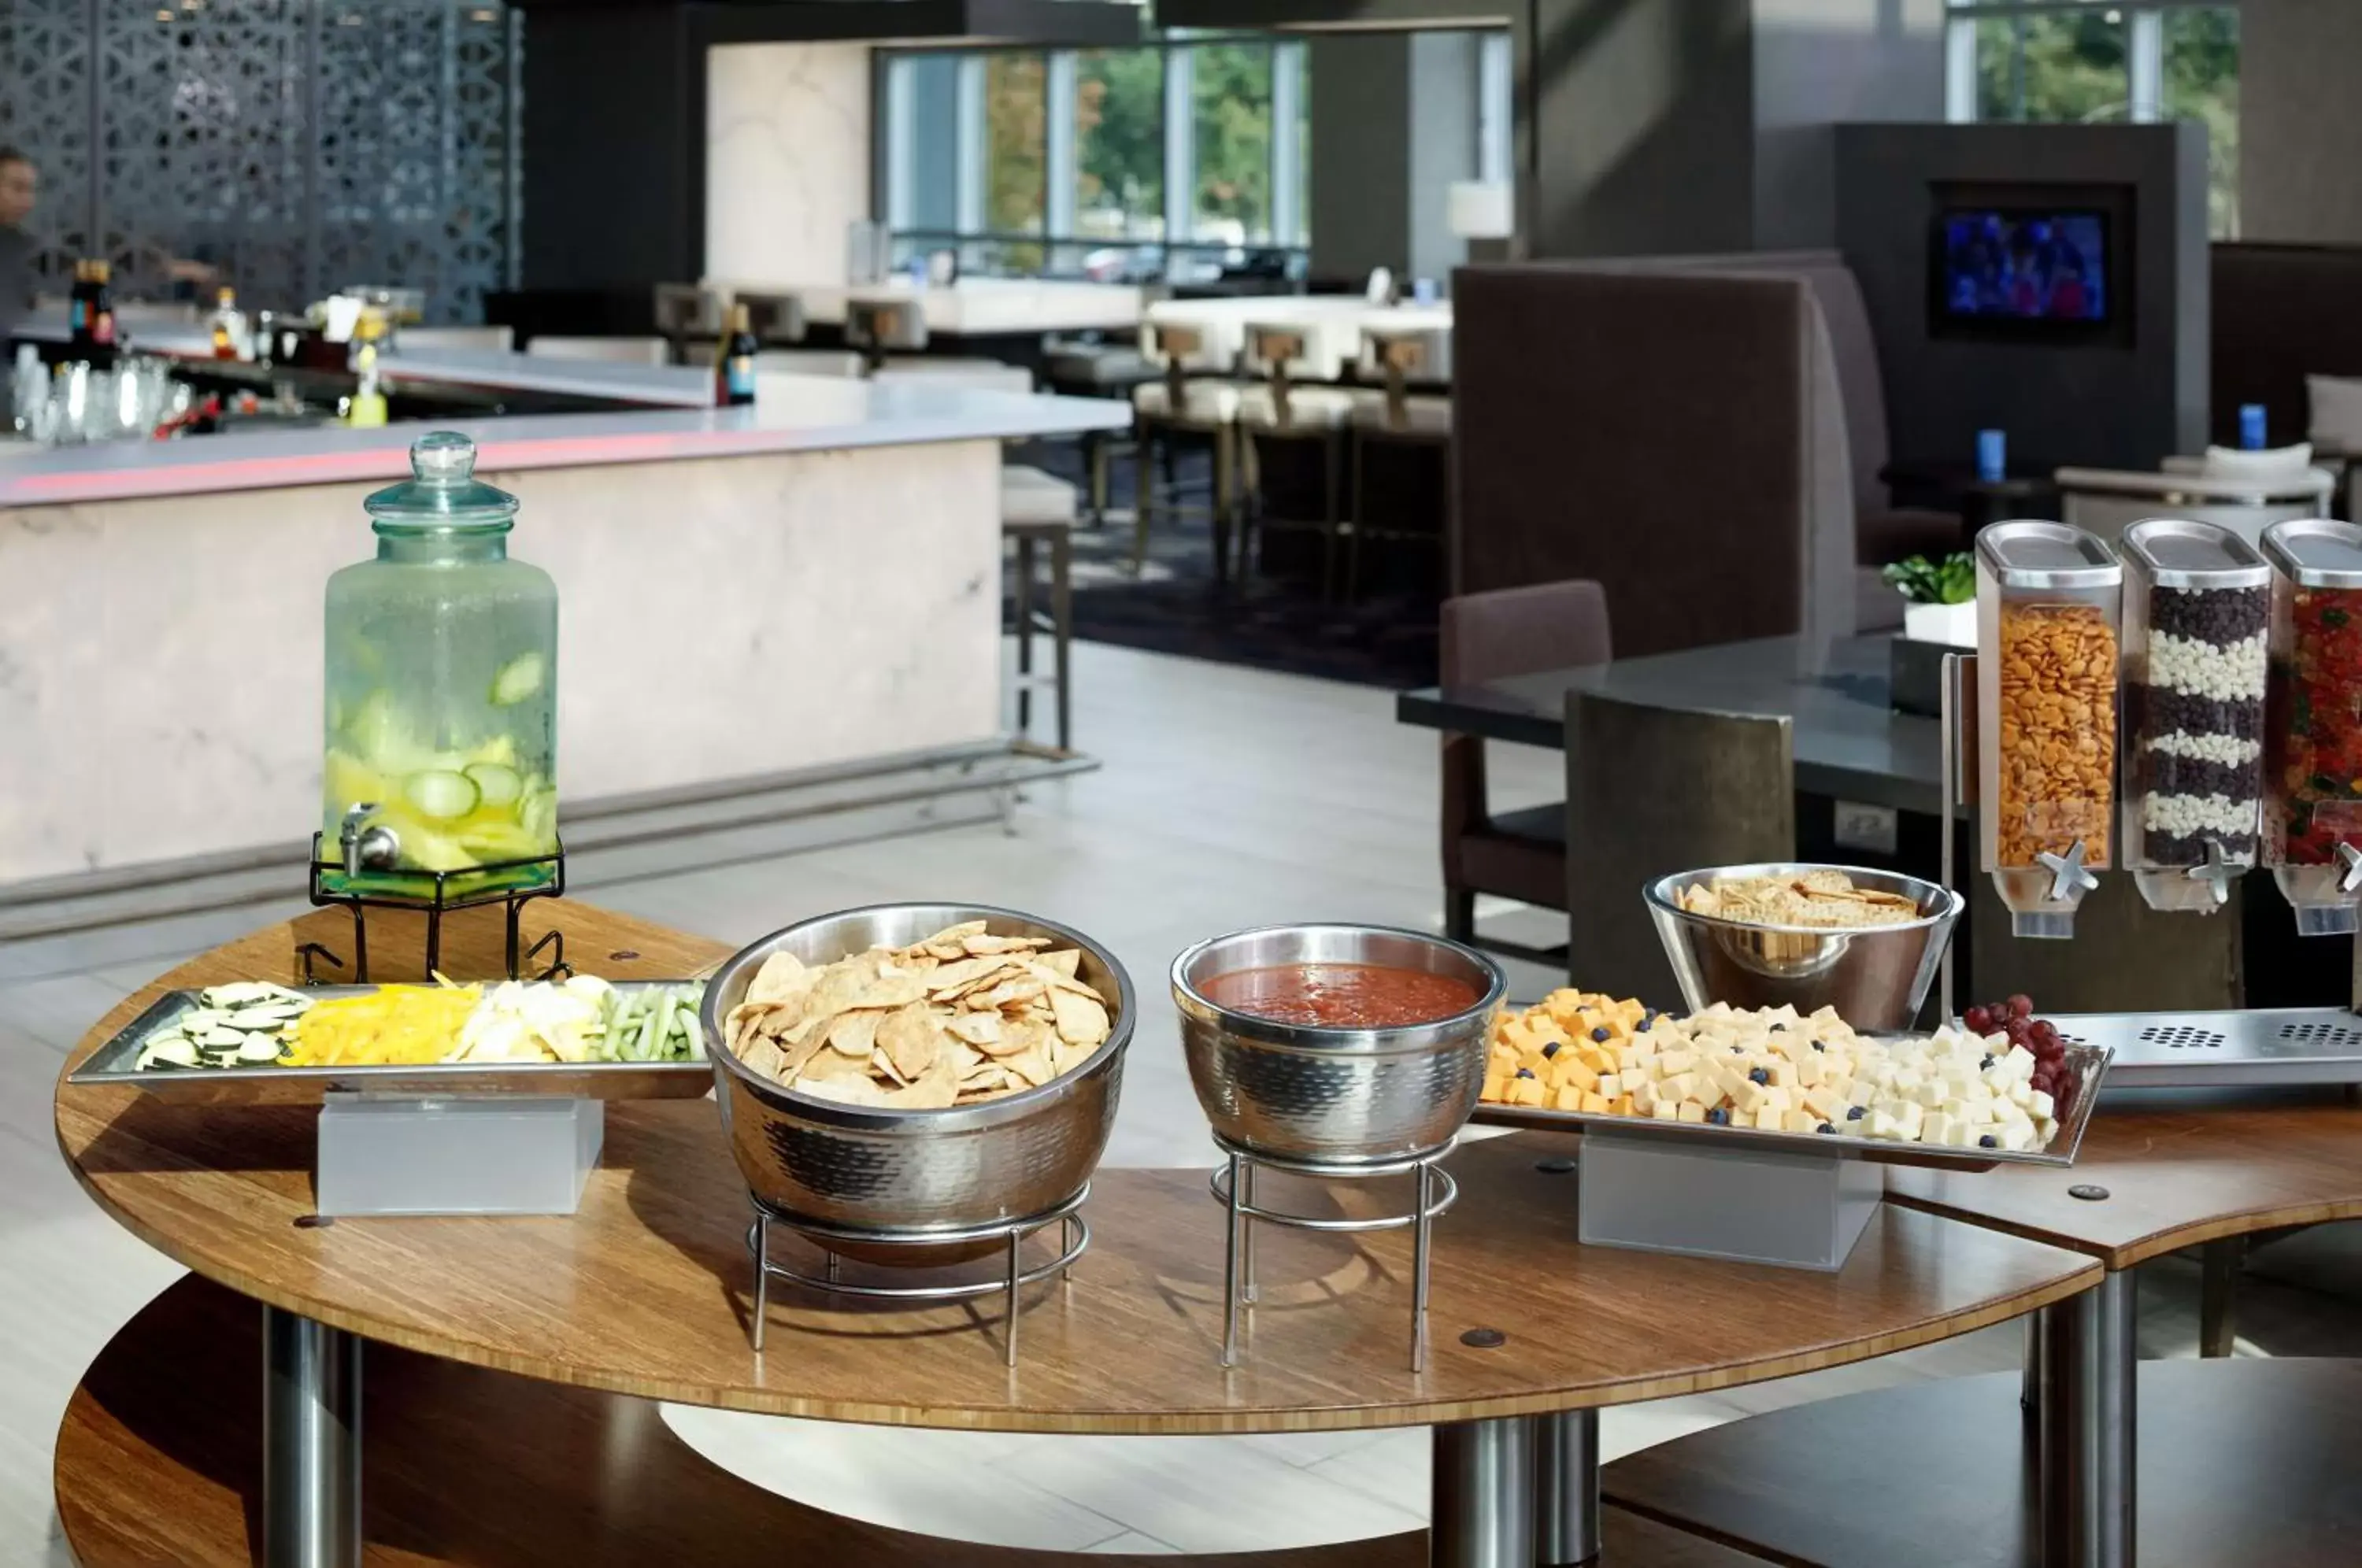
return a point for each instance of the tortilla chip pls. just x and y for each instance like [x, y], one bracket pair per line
[855, 1034]
[783, 974]
[912, 1038]
[1004, 943]
[851, 1091]
[1067, 961]
[1082, 1020]
[981, 1030]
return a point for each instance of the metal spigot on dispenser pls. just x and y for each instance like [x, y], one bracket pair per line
[2049, 603]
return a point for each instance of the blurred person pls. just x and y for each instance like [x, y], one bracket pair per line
[18, 184]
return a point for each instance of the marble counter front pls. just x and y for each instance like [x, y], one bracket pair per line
[743, 594]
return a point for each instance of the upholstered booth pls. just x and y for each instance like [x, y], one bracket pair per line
[1677, 432]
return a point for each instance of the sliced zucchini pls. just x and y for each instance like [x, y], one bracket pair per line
[259, 1049]
[172, 1054]
[519, 679]
[496, 786]
[439, 796]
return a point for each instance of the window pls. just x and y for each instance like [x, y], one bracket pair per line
[2084, 62]
[1232, 199]
[1120, 144]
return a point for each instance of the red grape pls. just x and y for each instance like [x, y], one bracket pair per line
[2017, 1028]
[2021, 1005]
[2046, 1031]
[1979, 1021]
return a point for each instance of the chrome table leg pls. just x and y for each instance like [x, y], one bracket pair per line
[311, 1443]
[2089, 1443]
[1234, 1243]
[1483, 1515]
[1566, 1484]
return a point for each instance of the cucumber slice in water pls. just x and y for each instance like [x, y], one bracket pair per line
[496, 786]
[440, 796]
[518, 679]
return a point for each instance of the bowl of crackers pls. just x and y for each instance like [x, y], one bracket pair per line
[908, 1069]
[1866, 943]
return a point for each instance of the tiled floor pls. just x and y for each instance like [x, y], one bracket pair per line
[1229, 798]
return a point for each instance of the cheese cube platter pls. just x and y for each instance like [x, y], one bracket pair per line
[2007, 1090]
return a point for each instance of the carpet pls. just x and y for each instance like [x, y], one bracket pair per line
[1274, 619]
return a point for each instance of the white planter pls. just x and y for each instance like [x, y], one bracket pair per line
[1955, 625]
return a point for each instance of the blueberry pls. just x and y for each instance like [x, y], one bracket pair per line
[1525, 1072]
[1739, 1049]
[1550, 1050]
[1779, 1028]
[1642, 1027]
[1599, 1035]
[1853, 1113]
[1819, 1047]
[1718, 1116]
[1985, 1066]
[1760, 1076]
[1988, 1141]
[1825, 1127]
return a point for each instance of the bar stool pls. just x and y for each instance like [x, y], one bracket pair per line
[1038, 509]
[1280, 413]
[1179, 405]
[875, 328]
[1395, 421]
[685, 313]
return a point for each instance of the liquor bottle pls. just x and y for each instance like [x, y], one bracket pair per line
[90, 314]
[733, 361]
[231, 338]
[367, 410]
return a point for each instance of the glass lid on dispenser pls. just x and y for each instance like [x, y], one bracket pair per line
[442, 491]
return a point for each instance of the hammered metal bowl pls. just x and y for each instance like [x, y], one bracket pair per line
[1876, 977]
[900, 1175]
[1334, 1096]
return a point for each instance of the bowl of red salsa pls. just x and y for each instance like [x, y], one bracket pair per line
[1339, 1044]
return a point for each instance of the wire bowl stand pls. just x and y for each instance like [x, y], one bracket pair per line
[1234, 1186]
[436, 893]
[1073, 1236]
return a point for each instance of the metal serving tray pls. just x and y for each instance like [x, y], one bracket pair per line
[113, 1065]
[2088, 1063]
[2188, 1050]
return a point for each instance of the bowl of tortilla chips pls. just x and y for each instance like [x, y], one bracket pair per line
[906, 1071]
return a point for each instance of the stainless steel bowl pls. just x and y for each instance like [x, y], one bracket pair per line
[1337, 1095]
[900, 1175]
[1875, 976]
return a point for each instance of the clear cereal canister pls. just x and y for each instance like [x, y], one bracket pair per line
[2048, 599]
[2313, 732]
[2197, 603]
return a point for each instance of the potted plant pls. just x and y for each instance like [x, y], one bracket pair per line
[1941, 599]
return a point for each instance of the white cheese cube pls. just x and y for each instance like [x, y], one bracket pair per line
[1937, 1128]
[1800, 1121]
[2020, 1062]
[1689, 1110]
[1932, 1093]
[1678, 1088]
[1670, 1064]
[1610, 1085]
[1666, 1110]
[2017, 1135]
[1910, 1120]
[1808, 1069]
[2021, 1093]
[1823, 1104]
[2039, 1106]
[1960, 1136]
[1882, 1125]
[1863, 1092]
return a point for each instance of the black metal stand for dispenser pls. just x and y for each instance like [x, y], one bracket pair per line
[435, 894]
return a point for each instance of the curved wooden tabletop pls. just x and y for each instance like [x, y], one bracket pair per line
[645, 1290]
[2178, 1167]
[160, 1459]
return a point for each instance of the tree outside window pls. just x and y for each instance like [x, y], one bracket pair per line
[2202, 83]
[1232, 204]
[1120, 144]
[1016, 151]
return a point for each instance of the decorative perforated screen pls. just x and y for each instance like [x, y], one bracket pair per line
[295, 146]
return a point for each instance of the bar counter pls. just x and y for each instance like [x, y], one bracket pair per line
[745, 595]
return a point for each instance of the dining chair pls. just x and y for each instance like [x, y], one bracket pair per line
[1519, 854]
[1651, 791]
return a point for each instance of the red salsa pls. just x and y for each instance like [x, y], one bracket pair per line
[1341, 996]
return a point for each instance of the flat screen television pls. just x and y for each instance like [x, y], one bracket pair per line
[2022, 269]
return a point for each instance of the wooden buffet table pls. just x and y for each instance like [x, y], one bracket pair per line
[2186, 1464]
[643, 1295]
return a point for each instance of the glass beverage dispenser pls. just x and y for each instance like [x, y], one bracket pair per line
[2312, 739]
[442, 698]
[2048, 601]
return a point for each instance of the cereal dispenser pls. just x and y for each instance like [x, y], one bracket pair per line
[2197, 601]
[2313, 742]
[2048, 597]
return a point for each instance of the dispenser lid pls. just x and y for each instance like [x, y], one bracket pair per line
[2045, 555]
[442, 491]
[2315, 552]
[2173, 552]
